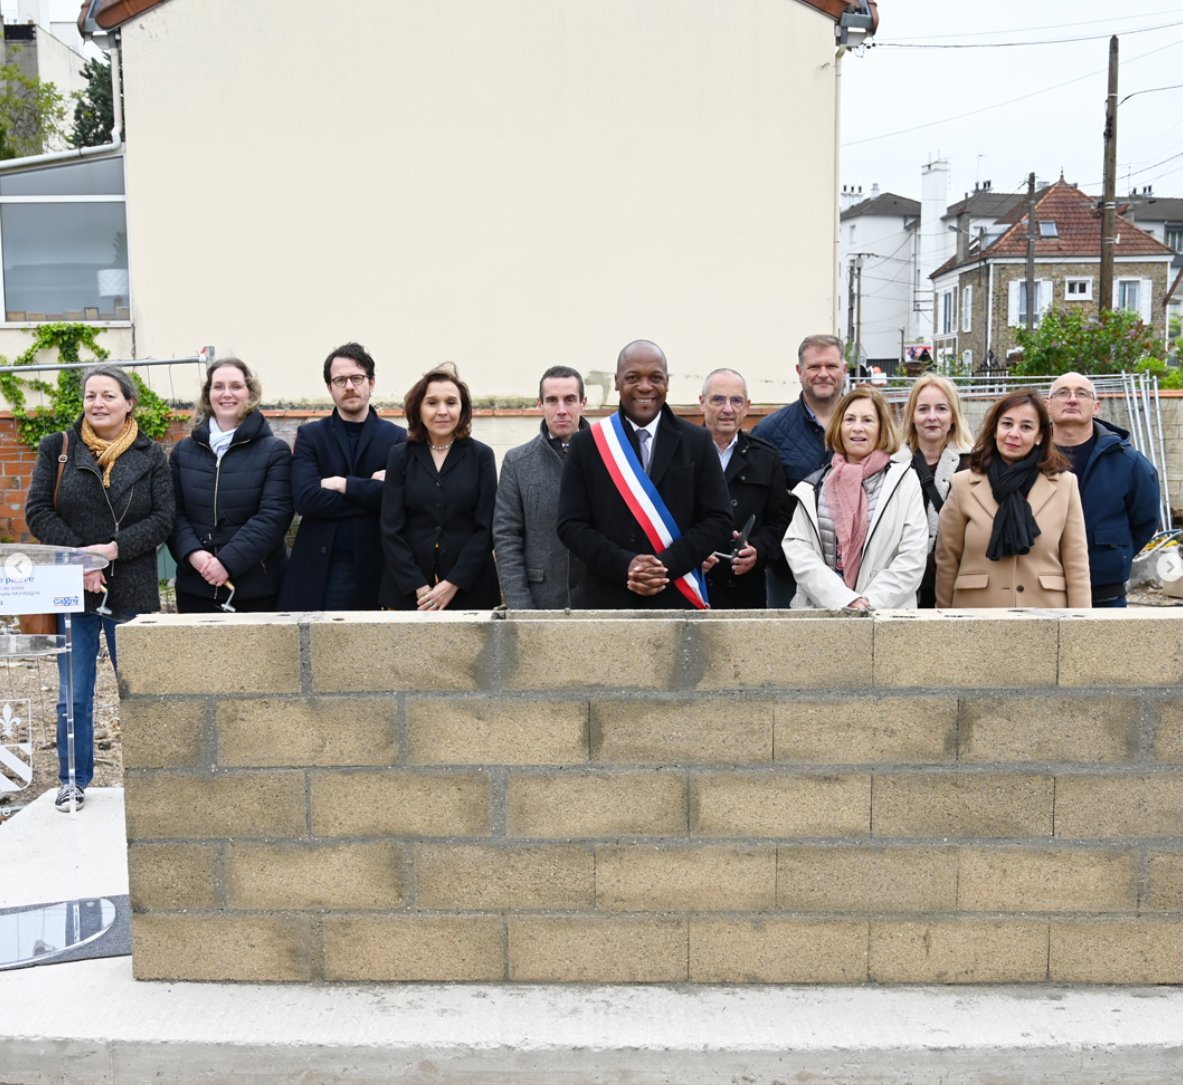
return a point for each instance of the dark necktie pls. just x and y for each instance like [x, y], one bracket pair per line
[643, 441]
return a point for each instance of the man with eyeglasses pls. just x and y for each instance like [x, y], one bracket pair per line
[755, 480]
[537, 571]
[338, 468]
[1118, 485]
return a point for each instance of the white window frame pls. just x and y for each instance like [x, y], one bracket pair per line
[1145, 295]
[1017, 297]
[967, 308]
[948, 311]
[1083, 295]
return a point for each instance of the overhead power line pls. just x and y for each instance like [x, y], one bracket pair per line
[1014, 44]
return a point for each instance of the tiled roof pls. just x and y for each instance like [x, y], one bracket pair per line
[112, 13]
[887, 203]
[985, 204]
[1078, 231]
[1153, 208]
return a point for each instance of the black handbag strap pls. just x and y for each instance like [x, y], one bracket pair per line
[927, 483]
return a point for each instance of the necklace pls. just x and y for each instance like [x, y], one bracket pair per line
[442, 448]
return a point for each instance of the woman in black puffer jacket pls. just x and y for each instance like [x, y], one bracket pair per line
[232, 480]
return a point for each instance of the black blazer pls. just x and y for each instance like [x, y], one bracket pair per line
[322, 451]
[596, 525]
[439, 525]
[756, 482]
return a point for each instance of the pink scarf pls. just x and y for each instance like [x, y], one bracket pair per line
[848, 507]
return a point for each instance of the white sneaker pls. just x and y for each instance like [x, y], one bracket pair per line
[67, 792]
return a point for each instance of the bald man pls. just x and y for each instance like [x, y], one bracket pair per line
[1118, 485]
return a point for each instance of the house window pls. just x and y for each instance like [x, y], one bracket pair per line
[1078, 289]
[967, 360]
[947, 312]
[63, 240]
[967, 309]
[1048, 229]
[1016, 301]
[1133, 295]
[1174, 237]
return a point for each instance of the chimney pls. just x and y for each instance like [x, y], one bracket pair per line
[962, 234]
[875, 190]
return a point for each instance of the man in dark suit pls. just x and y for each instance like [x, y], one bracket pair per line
[338, 468]
[755, 481]
[677, 465]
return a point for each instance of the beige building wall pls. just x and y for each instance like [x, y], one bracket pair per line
[503, 184]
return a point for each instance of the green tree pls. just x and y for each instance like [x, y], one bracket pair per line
[32, 113]
[94, 114]
[1067, 339]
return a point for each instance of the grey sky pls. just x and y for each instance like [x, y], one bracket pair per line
[998, 113]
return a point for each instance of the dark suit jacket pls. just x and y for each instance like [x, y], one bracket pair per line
[439, 525]
[322, 451]
[595, 523]
[755, 481]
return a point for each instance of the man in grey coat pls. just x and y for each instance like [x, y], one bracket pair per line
[537, 571]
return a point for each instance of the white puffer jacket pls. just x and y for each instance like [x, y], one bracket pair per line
[894, 552]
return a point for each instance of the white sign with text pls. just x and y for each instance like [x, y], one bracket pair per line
[26, 588]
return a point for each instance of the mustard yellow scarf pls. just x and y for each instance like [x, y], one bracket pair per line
[107, 452]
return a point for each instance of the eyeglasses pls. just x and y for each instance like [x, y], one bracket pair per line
[356, 379]
[1072, 393]
[722, 401]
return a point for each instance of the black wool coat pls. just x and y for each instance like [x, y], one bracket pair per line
[136, 513]
[239, 510]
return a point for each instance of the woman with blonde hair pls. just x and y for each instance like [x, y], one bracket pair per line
[937, 434]
[232, 480]
[859, 534]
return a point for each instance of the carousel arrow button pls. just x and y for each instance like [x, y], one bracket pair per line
[18, 566]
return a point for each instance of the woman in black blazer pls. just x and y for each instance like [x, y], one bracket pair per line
[437, 505]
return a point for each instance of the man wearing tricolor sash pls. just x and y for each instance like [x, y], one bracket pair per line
[643, 500]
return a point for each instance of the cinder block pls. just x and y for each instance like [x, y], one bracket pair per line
[861, 879]
[167, 805]
[1131, 647]
[171, 876]
[583, 804]
[312, 731]
[249, 949]
[1117, 951]
[774, 950]
[472, 877]
[594, 653]
[958, 951]
[1104, 807]
[983, 648]
[596, 950]
[789, 651]
[853, 730]
[400, 804]
[1165, 892]
[408, 949]
[392, 651]
[711, 730]
[961, 805]
[1168, 744]
[1041, 880]
[780, 804]
[641, 878]
[495, 731]
[214, 653]
[303, 875]
[1097, 728]
[159, 733]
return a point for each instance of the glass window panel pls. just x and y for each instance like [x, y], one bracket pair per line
[53, 256]
[100, 177]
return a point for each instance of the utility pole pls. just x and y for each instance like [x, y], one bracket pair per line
[1032, 234]
[858, 330]
[850, 303]
[1109, 200]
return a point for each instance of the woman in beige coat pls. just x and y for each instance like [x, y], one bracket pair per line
[1012, 533]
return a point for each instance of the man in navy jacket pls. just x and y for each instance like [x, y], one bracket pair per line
[1118, 485]
[338, 468]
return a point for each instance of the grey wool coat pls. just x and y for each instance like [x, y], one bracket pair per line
[537, 571]
[136, 513]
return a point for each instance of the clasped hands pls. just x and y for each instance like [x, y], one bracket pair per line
[212, 571]
[647, 575]
[94, 580]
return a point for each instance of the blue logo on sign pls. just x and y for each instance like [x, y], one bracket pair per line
[65, 600]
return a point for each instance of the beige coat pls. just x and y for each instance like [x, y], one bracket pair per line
[1055, 573]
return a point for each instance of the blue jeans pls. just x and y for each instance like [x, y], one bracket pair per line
[1119, 601]
[86, 629]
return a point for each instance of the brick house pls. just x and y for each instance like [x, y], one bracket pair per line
[979, 298]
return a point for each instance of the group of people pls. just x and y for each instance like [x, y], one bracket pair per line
[822, 504]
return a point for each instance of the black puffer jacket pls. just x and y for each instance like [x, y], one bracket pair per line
[239, 510]
[136, 513]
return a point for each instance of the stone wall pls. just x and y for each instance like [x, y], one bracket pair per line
[904, 798]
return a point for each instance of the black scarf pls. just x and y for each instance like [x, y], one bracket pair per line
[1015, 529]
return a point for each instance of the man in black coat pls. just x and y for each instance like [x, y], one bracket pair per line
[755, 481]
[338, 468]
[624, 569]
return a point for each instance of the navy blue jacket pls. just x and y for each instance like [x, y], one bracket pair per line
[322, 451]
[239, 510]
[800, 441]
[1119, 492]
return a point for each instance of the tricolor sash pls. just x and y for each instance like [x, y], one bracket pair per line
[643, 500]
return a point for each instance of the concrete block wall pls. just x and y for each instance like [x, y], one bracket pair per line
[782, 798]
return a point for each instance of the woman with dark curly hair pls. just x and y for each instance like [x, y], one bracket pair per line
[1012, 532]
[437, 505]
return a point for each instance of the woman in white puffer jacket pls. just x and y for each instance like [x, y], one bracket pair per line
[859, 536]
